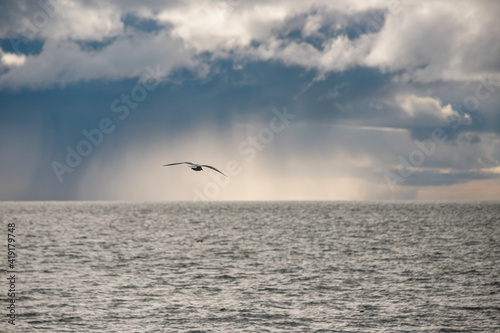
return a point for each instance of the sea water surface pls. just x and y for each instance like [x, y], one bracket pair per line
[254, 267]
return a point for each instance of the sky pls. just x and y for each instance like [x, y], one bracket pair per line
[293, 100]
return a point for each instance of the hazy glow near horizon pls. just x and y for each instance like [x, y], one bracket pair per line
[272, 173]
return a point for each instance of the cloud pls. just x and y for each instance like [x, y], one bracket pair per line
[12, 59]
[207, 27]
[436, 178]
[324, 36]
[428, 111]
[66, 62]
[61, 19]
[429, 48]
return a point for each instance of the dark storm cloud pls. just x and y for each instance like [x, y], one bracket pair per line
[434, 178]
[329, 24]
[143, 24]
[26, 46]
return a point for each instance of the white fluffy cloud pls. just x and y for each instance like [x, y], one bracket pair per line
[428, 111]
[207, 26]
[11, 59]
[434, 40]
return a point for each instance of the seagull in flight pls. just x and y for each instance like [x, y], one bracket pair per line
[196, 167]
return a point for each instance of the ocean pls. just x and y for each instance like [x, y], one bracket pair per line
[251, 267]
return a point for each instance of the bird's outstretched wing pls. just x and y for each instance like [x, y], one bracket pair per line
[178, 163]
[211, 167]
